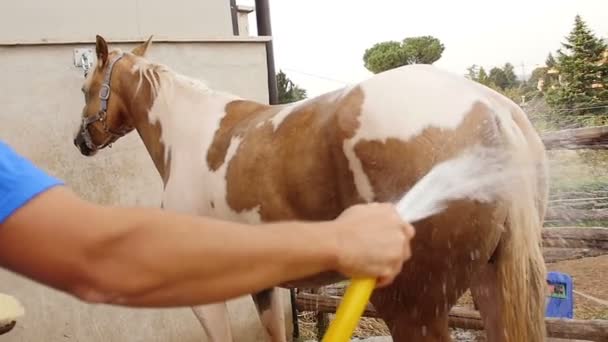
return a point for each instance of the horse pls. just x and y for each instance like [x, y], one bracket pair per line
[229, 157]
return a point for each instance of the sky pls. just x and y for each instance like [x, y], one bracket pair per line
[319, 44]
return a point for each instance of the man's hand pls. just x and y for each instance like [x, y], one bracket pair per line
[374, 241]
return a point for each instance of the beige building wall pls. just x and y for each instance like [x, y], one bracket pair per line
[243, 13]
[77, 20]
[41, 106]
[42, 102]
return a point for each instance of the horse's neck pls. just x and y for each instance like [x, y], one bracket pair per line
[180, 122]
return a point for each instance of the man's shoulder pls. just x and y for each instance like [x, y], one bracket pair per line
[20, 180]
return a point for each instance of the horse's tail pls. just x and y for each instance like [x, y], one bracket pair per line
[519, 259]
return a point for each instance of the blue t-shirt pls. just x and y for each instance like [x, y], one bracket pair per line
[20, 181]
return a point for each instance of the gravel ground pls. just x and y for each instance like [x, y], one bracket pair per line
[458, 335]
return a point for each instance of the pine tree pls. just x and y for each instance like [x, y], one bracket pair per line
[288, 91]
[509, 71]
[583, 79]
[482, 76]
[550, 62]
[472, 72]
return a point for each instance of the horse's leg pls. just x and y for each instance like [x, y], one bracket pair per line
[488, 299]
[412, 319]
[270, 310]
[404, 328]
[486, 290]
[215, 320]
[415, 307]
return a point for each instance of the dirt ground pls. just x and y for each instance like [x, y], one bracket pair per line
[590, 277]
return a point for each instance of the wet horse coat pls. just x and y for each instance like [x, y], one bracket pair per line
[236, 159]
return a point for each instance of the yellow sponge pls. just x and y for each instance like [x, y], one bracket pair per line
[10, 311]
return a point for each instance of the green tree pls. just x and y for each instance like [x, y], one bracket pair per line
[584, 80]
[550, 62]
[509, 71]
[288, 91]
[412, 50]
[384, 56]
[538, 74]
[499, 78]
[472, 72]
[423, 50]
[482, 76]
[479, 74]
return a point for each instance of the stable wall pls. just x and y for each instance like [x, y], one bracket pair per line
[41, 105]
[77, 20]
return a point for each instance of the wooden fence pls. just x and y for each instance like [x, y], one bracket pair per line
[565, 243]
[577, 139]
[559, 243]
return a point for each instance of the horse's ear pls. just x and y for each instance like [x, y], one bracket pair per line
[141, 49]
[102, 51]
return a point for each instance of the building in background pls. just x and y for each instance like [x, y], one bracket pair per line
[41, 43]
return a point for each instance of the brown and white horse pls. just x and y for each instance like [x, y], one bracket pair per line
[237, 159]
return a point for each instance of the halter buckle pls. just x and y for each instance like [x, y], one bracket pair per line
[104, 92]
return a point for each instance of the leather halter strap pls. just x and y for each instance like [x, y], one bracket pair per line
[101, 115]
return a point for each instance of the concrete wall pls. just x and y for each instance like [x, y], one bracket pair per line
[79, 20]
[41, 105]
[243, 13]
[41, 98]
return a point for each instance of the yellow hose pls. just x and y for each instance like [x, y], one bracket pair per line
[350, 310]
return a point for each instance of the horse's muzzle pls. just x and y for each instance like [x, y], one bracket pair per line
[82, 146]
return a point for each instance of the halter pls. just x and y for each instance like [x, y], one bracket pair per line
[104, 95]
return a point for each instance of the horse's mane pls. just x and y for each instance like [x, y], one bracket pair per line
[163, 81]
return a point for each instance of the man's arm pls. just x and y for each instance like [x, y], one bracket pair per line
[149, 257]
[152, 257]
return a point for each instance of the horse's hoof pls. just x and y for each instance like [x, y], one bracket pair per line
[6, 327]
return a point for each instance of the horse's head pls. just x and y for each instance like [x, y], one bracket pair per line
[105, 116]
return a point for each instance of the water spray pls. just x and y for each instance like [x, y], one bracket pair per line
[481, 174]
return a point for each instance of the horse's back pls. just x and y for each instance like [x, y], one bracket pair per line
[411, 118]
[368, 142]
[403, 102]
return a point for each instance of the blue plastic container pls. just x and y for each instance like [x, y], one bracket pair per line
[560, 299]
